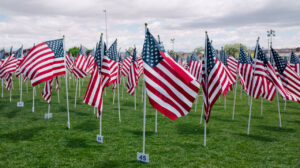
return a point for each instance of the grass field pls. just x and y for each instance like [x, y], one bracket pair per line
[28, 140]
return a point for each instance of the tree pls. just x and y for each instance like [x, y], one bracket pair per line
[199, 50]
[74, 51]
[233, 49]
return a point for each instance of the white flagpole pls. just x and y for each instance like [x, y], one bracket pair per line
[114, 96]
[27, 86]
[118, 85]
[79, 86]
[10, 94]
[58, 96]
[48, 110]
[21, 88]
[225, 103]
[144, 120]
[234, 101]
[261, 106]
[201, 113]
[135, 100]
[33, 94]
[2, 90]
[122, 86]
[76, 92]
[250, 110]
[279, 116]
[142, 93]
[206, 83]
[196, 103]
[155, 120]
[284, 105]
[66, 78]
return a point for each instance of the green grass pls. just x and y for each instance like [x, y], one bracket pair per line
[28, 140]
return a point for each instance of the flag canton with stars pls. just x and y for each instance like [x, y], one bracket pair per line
[211, 54]
[134, 57]
[194, 57]
[18, 53]
[92, 53]
[98, 53]
[224, 57]
[57, 47]
[243, 58]
[127, 54]
[82, 50]
[112, 51]
[2, 54]
[294, 59]
[261, 55]
[280, 63]
[188, 59]
[151, 50]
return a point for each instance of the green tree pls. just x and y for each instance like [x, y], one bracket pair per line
[199, 50]
[233, 49]
[74, 51]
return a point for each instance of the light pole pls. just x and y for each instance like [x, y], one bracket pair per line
[105, 13]
[270, 34]
[173, 41]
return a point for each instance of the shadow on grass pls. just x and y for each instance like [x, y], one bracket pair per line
[140, 133]
[252, 116]
[257, 137]
[190, 128]
[86, 126]
[13, 113]
[23, 134]
[76, 143]
[108, 163]
[277, 128]
[224, 119]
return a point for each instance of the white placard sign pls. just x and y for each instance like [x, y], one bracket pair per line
[48, 116]
[142, 157]
[99, 138]
[20, 104]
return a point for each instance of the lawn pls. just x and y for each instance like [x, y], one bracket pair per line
[28, 140]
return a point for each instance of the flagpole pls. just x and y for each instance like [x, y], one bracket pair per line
[122, 86]
[27, 86]
[261, 106]
[113, 96]
[135, 100]
[58, 96]
[284, 106]
[234, 101]
[66, 78]
[206, 85]
[33, 92]
[144, 120]
[250, 110]
[196, 103]
[118, 85]
[201, 113]
[79, 87]
[279, 116]
[156, 121]
[76, 93]
[2, 90]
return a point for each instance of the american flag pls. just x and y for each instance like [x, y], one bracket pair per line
[8, 81]
[2, 57]
[46, 93]
[214, 78]
[69, 62]
[90, 61]
[44, 61]
[229, 63]
[93, 95]
[133, 74]
[119, 72]
[57, 83]
[170, 88]
[126, 63]
[140, 66]
[195, 67]
[80, 64]
[290, 87]
[9, 64]
[295, 62]
[261, 84]
[245, 70]
[109, 64]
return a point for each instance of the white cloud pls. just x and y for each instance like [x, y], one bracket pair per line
[231, 21]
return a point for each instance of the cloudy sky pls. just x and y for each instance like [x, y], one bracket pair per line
[229, 21]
